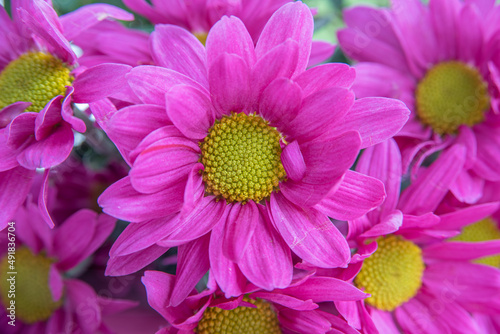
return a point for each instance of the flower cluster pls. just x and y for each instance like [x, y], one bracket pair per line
[251, 183]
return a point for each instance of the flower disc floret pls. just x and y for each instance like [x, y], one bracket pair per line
[259, 320]
[33, 298]
[241, 156]
[483, 230]
[393, 274]
[34, 77]
[452, 94]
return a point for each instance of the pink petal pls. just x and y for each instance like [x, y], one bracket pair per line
[460, 218]
[280, 102]
[267, 261]
[150, 83]
[99, 82]
[426, 192]
[15, 185]
[320, 52]
[389, 224]
[192, 264]
[190, 110]
[326, 76]
[8, 113]
[78, 294]
[240, 227]
[49, 152]
[416, 317]
[48, 118]
[318, 113]
[376, 119]
[162, 164]
[462, 251]
[322, 289]
[179, 50]
[56, 283]
[293, 161]
[292, 21]
[120, 200]
[356, 195]
[21, 129]
[303, 321]
[229, 35]
[85, 17]
[309, 234]
[467, 188]
[326, 163]
[469, 39]
[229, 79]
[129, 264]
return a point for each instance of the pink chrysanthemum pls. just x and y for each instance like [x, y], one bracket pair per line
[242, 142]
[420, 280]
[36, 74]
[291, 310]
[447, 72]
[48, 297]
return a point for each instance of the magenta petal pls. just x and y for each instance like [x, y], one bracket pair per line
[192, 264]
[21, 129]
[318, 113]
[326, 76]
[48, 118]
[426, 192]
[468, 187]
[320, 52]
[76, 123]
[162, 164]
[470, 38]
[122, 201]
[390, 223]
[304, 321]
[129, 126]
[229, 35]
[325, 289]
[129, 264]
[78, 294]
[285, 300]
[376, 119]
[85, 17]
[229, 79]
[460, 218]
[99, 82]
[462, 251]
[309, 234]
[416, 317]
[326, 163]
[177, 49]
[292, 21]
[240, 227]
[280, 102]
[293, 161]
[226, 273]
[356, 195]
[8, 113]
[56, 283]
[48, 152]
[150, 83]
[15, 185]
[73, 237]
[267, 261]
[190, 110]
[168, 132]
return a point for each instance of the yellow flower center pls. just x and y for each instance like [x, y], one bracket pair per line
[452, 94]
[483, 230]
[202, 37]
[241, 155]
[260, 320]
[393, 274]
[30, 287]
[34, 77]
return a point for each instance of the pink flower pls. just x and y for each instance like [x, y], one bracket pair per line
[419, 279]
[291, 310]
[36, 73]
[227, 126]
[48, 297]
[447, 73]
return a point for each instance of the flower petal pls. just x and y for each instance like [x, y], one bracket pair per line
[240, 227]
[293, 161]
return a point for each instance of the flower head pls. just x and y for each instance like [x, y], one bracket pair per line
[446, 72]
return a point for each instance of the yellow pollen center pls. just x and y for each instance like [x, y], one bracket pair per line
[242, 158]
[202, 37]
[483, 230]
[393, 274]
[31, 292]
[260, 320]
[452, 94]
[34, 77]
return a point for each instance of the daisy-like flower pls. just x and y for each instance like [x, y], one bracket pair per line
[291, 310]
[418, 279]
[47, 297]
[37, 68]
[447, 73]
[242, 142]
